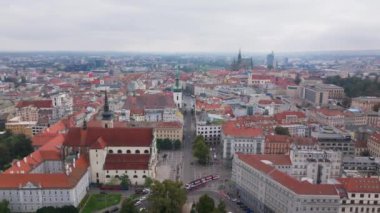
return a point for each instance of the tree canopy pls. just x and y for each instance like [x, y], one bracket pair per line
[354, 86]
[206, 204]
[200, 150]
[4, 206]
[63, 209]
[128, 207]
[167, 197]
[13, 147]
[281, 130]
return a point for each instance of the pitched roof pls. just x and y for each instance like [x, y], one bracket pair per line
[235, 129]
[273, 101]
[150, 101]
[139, 137]
[44, 180]
[35, 103]
[277, 139]
[127, 162]
[298, 187]
[361, 185]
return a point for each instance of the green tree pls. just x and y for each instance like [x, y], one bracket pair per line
[221, 208]
[201, 151]
[4, 206]
[177, 144]
[128, 207]
[5, 158]
[279, 130]
[205, 204]
[124, 182]
[167, 197]
[346, 102]
[63, 209]
[148, 182]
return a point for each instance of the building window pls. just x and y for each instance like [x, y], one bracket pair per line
[128, 151]
[134, 176]
[110, 151]
[146, 151]
[144, 176]
[107, 176]
[137, 151]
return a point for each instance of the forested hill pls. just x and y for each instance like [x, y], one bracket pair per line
[354, 86]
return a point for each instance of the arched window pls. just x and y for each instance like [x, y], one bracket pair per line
[107, 176]
[146, 151]
[137, 151]
[128, 151]
[116, 176]
[144, 176]
[110, 151]
[119, 151]
[134, 176]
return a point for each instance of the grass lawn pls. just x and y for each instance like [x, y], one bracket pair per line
[101, 201]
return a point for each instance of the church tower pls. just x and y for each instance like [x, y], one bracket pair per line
[107, 115]
[177, 91]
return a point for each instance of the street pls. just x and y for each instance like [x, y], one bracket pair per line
[181, 165]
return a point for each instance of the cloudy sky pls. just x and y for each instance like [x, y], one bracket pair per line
[189, 26]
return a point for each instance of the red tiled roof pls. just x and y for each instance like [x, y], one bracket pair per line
[52, 181]
[361, 185]
[234, 129]
[330, 112]
[298, 187]
[276, 159]
[283, 115]
[273, 101]
[302, 141]
[172, 124]
[127, 162]
[150, 101]
[78, 137]
[35, 103]
[277, 139]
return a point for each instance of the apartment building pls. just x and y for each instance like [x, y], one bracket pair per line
[239, 138]
[267, 188]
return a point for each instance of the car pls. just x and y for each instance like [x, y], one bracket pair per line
[141, 209]
[234, 200]
[115, 209]
[142, 198]
[146, 190]
[239, 203]
[138, 203]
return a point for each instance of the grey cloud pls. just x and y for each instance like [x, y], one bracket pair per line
[197, 25]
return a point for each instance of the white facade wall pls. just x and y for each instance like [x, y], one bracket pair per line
[231, 145]
[360, 202]
[31, 197]
[263, 194]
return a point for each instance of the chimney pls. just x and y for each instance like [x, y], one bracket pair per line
[18, 164]
[25, 160]
[74, 162]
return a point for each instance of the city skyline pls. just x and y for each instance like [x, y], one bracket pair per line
[196, 26]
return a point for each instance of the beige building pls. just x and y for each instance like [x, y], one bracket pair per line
[315, 96]
[169, 130]
[365, 103]
[374, 144]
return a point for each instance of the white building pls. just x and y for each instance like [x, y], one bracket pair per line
[361, 195]
[317, 166]
[114, 152]
[237, 138]
[42, 179]
[209, 129]
[265, 188]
